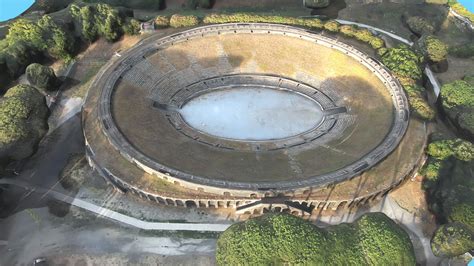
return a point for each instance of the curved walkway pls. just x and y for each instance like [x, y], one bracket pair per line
[431, 77]
[101, 211]
[463, 19]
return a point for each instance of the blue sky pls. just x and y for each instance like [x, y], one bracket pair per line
[469, 4]
[12, 8]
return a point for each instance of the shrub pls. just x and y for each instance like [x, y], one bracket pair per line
[377, 42]
[332, 26]
[285, 239]
[456, 94]
[420, 25]
[434, 49]
[132, 27]
[178, 21]
[44, 36]
[418, 104]
[463, 213]
[443, 149]
[452, 240]
[403, 62]
[23, 115]
[17, 57]
[162, 22]
[42, 77]
[431, 170]
[458, 103]
[99, 20]
[252, 18]
[348, 30]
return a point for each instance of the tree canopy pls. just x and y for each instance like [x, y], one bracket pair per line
[458, 103]
[434, 49]
[98, 20]
[282, 238]
[23, 115]
[42, 77]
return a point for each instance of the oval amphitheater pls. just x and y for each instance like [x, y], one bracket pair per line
[254, 117]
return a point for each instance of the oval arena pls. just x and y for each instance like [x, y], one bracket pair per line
[253, 117]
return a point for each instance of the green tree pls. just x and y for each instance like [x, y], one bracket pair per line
[433, 48]
[24, 31]
[420, 25]
[41, 77]
[452, 240]
[132, 27]
[23, 114]
[284, 239]
[458, 103]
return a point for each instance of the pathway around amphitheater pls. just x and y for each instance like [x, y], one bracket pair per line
[408, 220]
[431, 77]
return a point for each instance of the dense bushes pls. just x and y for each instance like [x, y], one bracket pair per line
[102, 21]
[27, 40]
[458, 103]
[434, 49]
[44, 35]
[131, 27]
[178, 21]
[405, 65]
[41, 77]
[449, 189]
[452, 240]
[249, 18]
[420, 25]
[23, 115]
[442, 150]
[403, 62]
[15, 58]
[279, 238]
[332, 26]
[162, 22]
[418, 104]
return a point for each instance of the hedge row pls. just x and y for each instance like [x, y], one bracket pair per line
[351, 31]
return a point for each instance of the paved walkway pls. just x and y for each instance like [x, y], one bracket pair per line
[431, 77]
[104, 212]
[463, 19]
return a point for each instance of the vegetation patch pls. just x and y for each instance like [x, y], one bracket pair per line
[178, 21]
[23, 114]
[406, 66]
[433, 48]
[41, 77]
[452, 240]
[458, 104]
[284, 239]
[420, 25]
